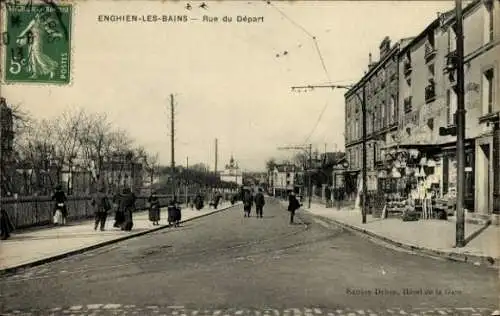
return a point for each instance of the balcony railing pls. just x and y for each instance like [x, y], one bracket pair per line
[451, 61]
[430, 53]
[430, 93]
[407, 68]
[407, 104]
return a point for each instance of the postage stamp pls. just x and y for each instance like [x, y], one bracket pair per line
[37, 41]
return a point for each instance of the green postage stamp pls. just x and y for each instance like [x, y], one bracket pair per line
[37, 42]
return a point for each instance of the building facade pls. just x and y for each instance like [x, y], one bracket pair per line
[428, 103]
[380, 88]
[286, 177]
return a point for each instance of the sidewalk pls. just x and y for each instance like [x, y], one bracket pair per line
[432, 237]
[34, 247]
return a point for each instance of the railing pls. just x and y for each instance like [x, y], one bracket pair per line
[407, 68]
[430, 52]
[451, 61]
[27, 212]
[407, 104]
[430, 93]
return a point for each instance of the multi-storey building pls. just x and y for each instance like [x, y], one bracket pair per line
[286, 177]
[428, 102]
[380, 85]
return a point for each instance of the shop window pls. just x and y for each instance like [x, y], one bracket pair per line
[488, 86]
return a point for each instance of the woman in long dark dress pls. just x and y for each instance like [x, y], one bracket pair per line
[154, 209]
[171, 213]
[118, 211]
[127, 204]
[6, 226]
[293, 205]
[178, 215]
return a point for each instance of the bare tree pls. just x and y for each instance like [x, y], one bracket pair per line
[36, 149]
[95, 142]
[68, 129]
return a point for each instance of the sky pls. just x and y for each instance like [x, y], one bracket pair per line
[227, 80]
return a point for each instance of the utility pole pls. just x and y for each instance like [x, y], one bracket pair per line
[363, 113]
[216, 154]
[172, 143]
[309, 178]
[460, 225]
[187, 180]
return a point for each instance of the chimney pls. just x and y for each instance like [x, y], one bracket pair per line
[370, 62]
[385, 47]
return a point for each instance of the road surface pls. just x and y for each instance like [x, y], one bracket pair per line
[225, 264]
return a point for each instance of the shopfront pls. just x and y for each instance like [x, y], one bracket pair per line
[427, 176]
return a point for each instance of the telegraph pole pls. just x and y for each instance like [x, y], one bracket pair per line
[216, 154]
[172, 143]
[187, 180]
[460, 225]
[309, 178]
[363, 113]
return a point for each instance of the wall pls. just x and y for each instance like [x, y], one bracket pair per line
[35, 211]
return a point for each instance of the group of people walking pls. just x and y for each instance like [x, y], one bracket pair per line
[249, 199]
[173, 211]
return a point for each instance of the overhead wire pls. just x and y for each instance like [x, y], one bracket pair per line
[303, 29]
[320, 55]
[317, 122]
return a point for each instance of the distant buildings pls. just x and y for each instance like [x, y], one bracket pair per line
[411, 111]
[284, 178]
[232, 173]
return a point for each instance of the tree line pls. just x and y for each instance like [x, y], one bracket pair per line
[44, 149]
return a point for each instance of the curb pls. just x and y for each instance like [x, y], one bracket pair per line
[39, 262]
[451, 256]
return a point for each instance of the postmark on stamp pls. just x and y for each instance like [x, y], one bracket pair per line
[37, 41]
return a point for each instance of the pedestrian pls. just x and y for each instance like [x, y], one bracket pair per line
[198, 201]
[119, 218]
[178, 214]
[102, 205]
[154, 208]
[127, 206]
[174, 213]
[293, 205]
[6, 226]
[259, 203]
[247, 202]
[60, 210]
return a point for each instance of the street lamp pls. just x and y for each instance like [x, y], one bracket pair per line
[362, 100]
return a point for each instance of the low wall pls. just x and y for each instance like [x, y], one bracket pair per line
[26, 212]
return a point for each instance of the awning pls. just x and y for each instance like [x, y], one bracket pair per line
[352, 171]
[426, 147]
